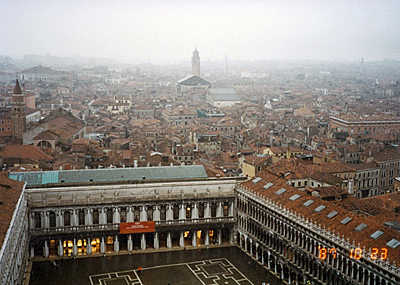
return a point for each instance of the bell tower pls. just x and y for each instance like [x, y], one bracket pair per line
[196, 62]
[18, 115]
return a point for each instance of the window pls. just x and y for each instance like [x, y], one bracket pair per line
[95, 217]
[109, 216]
[81, 217]
[67, 218]
[52, 218]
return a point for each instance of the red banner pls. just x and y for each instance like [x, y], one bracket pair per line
[137, 227]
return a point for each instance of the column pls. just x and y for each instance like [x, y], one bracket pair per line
[143, 242]
[60, 248]
[46, 249]
[195, 212]
[129, 217]
[290, 277]
[181, 240]
[251, 247]
[156, 213]
[102, 246]
[268, 260]
[59, 219]
[75, 220]
[102, 216]
[219, 210]
[89, 217]
[32, 220]
[207, 238]
[257, 252]
[182, 212]
[231, 236]
[262, 256]
[116, 244]
[245, 244]
[74, 248]
[46, 220]
[231, 208]
[194, 238]
[156, 241]
[169, 240]
[116, 217]
[240, 241]
[32, 252]
[88, 247]
[170, 212]
[143, 214]
[130, 245]
[219, 236]
[207, 211]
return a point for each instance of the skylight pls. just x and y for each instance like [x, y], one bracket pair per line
[320, 208]
[360, 227]
[332, 214]
[294, 197]
[393, 243]
[269, 184]
[280, 191]
[308, 203]
[256, 180]
[377, 234]
[346, 220]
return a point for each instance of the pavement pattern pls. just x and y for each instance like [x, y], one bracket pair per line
[214, 266]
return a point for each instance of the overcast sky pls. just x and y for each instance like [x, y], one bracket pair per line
[167, 31]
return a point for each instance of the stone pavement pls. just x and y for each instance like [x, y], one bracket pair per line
[220, 266]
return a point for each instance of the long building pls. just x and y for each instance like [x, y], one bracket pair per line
[98, 212]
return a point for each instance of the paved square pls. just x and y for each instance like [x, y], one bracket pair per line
[214, 266]
[205, 272]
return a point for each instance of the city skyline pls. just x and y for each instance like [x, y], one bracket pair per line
[167, 32]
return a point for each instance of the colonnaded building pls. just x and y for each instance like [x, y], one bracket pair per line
[300, 238]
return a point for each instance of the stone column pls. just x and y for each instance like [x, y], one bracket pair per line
[156, 213]
[251, 247]
[129, 217]
[46, 249]
[116, 216]
[116, 244]
[231, 209]
[257, 252]
[207, 210]
[143, 213]
[58, 218]
[46, 220]
[245, 244]
[195, 212]
[130, 245]
[75, 218]
[89, 217]
[231, 236]
[219, 236]
[268, 261]
[102, 246]
[170, 213]
[60, 248]
[32, 252]
[194, 238]
[169, 240]
[103, 216]
[262, 256]
[88, 247]
[182, 212]
[181, 240]
[74, 248]
[143, 242]
[207, 238]
[156, 241]
[219, 213]
[32, 221]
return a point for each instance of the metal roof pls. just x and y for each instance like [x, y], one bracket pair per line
[308, 203]
[377, 234]
[280, 191]
[319, 208]
[294, 197]
[269, 184]
[361, 227]
[346, 220]
[393, 243]
[224, 94]
[332, 214]
[109, 175]
[256, 180]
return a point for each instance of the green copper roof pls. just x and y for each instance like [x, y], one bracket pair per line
[109, 175]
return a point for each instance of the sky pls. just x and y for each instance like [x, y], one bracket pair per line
[166, 31]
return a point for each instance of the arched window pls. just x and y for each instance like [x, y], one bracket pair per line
[52, 218]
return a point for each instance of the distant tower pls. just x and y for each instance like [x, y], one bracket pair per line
[196, 62]
[362, 64]
[226, 64]
[18, 114]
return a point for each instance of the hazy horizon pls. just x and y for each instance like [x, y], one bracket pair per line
[168, 31]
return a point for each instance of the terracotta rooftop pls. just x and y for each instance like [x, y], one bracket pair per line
[10, 191]
[24, 152]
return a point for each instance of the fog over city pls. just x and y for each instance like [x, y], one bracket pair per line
[165, 32]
